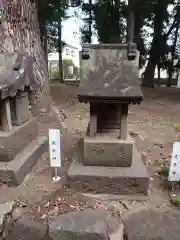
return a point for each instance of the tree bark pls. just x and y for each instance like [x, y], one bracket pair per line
[45, 45]
[20, 32]
[159, 75]
[156, 46]
[173, 51]
[108, 14]
[148, 80]
[60, 51]
[130, 22]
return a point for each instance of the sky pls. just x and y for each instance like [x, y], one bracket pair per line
[70, 30]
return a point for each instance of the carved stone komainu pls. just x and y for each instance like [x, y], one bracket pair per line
[15, 72]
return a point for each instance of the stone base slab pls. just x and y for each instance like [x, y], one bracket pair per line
[104, 150]
[90, 224]
[109, 180]
[14, 172]
[153, 223]
[11, 143]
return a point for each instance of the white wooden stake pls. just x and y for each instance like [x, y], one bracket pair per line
[55, 152]
[174, 171]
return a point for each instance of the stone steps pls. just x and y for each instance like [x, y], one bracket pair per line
[14, 172]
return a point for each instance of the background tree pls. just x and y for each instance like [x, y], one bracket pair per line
[50, 15]
[153, 20]
[19, 31]
[23, 27]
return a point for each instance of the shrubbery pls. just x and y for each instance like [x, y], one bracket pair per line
[67, 62]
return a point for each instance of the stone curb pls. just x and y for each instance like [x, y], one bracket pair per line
[90, 224]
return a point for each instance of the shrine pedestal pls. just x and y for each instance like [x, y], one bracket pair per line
[107, 150]
[109, 180]
[108, 162]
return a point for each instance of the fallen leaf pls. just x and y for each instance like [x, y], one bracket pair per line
[44, 216]
[16, 214]
[54, 211]
[46, 205]
[72, 206]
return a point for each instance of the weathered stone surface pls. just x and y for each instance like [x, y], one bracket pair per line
[27, 229]
[22, 108]
[107, 150]
[14, 69]
[109, 180]
[5, 208]
[11, 143]
[88, 224]
[115, 228]
[108, 74]
[14, 172]
[6, 227]
[6, 122]
[16, 213]
[154, 224]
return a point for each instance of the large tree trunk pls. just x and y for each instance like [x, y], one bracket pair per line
[156, 46]
[159, 76]
[137, 32]
[173, 51]
[108, 15]
[19, 31]
[148, 80]
[60, 51]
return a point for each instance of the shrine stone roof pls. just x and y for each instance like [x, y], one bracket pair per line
[107, 75]
[111, 81]
[14, 69]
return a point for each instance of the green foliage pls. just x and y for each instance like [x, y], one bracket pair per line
[154, 20]
[54, 73]
[50, 13]
[164, 172]
[177, 200]
[177, 127]
[68, 61]
[76, 72]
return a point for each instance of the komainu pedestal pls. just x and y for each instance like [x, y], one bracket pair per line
[108, 161]
[20, 145]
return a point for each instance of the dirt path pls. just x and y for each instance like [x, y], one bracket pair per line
[155, 125]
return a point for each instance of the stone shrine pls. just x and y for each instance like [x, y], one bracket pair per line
[108, 161]
[20, 145]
